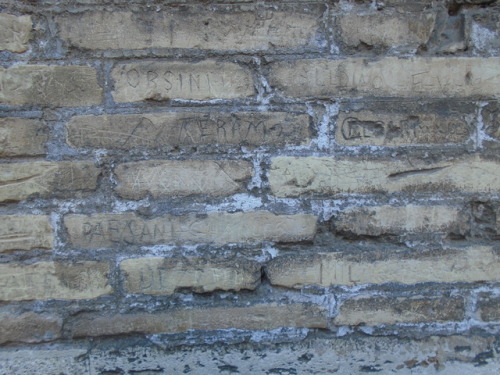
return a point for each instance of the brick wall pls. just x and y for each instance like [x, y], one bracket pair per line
[275, 187]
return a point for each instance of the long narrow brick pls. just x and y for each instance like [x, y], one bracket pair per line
[388, 77]
[472, 264]
[20, 181]
[219, 228]
[66, 86]
[160, 81]
[257, 317]
[195, 27]
[51, 280]
[22, 137]
[164, 276]
[385, 310]
[293, 176]
[195, 128]
[374, 221]
[29, 328]
[15, 32]
[25, 232]
[181, 178]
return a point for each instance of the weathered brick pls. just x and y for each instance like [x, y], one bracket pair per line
[174, 129]
[159, 81]
[50, 280]
[294, 176]
[488, 307]
[115, 230]
[66, 86]
[394, 129]
[202, 28]
[20, 181]
[15, 32]
[386, 29]
[181, 178]
[375, 221]
[29, 327]
[164, 276]
[257, 317]
[383, 310]
[25, 232]
[388, 77]
[479, 263]
[22, 137]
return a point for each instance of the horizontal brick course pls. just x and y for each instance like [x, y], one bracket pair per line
[25, 232]
[22, 137]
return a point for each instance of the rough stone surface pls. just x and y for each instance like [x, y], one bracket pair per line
[448, 355]
[489, 307]
[20, 181]
[177, 129]
[15, 32]
[115, 230]
[201, 28]
[181, 178]
[380, 310]
[29, 328]
[164, 276]
[25, 232]
[389, 129]
[160, 81]
[375, 221]
[386, 29]
[257, 317]
[388, 77]
[472, 264]
[66, 86]
[22, 137]
[293, 176]
[51, 280]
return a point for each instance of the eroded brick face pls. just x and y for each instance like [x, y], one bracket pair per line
[240, 186]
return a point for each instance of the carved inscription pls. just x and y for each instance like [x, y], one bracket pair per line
[114, 230]
[164, 81]
[163, 276]
[391, 76]
[15, 32]
[20, 181]
[181, 178]
[479, 263]
[382, 129]
[193, 27]
[293, 176]
[25, 232]
[53, 85]
[47, 280]
[172, 129]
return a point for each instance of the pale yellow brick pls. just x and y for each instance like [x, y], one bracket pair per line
[181, 178]
[159, 81]
[50, 280]
[20, 181]
[294, 176]
[383, 310]
[394, 129]
[22, 137]
[195, 128]
[219, 228]
[29, 328]
[164, 276]
[202, 28]
[257, 317]
[25, 232]
[472, 264]
[66, 86]
[388, 77]
[15, 32]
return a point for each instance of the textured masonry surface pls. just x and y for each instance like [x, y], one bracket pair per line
[238, 186]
